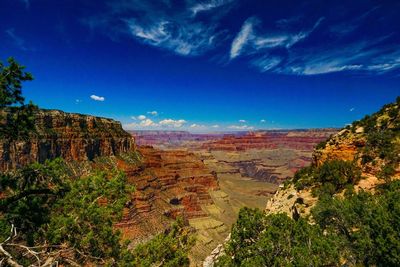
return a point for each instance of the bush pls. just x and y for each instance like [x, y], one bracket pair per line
[332, 176]
[338, 172]
[367, 223]
[304, 177]
[166, 249]
[258, 239]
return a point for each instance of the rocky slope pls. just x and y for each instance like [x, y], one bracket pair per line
[168, 184]
[67, 135]
[373, 144]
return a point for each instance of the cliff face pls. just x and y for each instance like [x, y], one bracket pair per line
[67, 135]
[168, 184]
[299, 140]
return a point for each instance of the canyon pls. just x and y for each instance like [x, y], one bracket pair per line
[204, 178]
[248, 167]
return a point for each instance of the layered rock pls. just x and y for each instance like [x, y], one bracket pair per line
[67, 135]
[269, 156]
[170, 139]
[299, 140]
[168, 184]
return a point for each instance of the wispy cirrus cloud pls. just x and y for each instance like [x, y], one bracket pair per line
[208, 5]
[249, 40]
[160, 24]
[286, 49]
[245, 34]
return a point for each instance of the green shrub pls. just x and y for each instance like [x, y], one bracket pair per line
[338, 172]
[330, 177]
[166, 249]
[304, 177]
[258, 239]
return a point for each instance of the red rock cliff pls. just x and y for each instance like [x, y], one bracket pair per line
[67, 135]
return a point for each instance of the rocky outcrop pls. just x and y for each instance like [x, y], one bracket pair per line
[344, 145]
[67, 135]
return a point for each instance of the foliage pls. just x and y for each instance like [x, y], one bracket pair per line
[382, 134]
[276, 240]
[166, 249]
[330, 177]
[368, 223]
[359, 229]
[31, 193]
[11, 78]
[50, 209]
[84, 217]
[16, 118]
[322, 144]
[45, 204]
[304, 177]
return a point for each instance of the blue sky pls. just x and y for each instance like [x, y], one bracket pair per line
[212, 65]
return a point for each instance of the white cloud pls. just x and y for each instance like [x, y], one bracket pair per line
[207, 6]
[141, 117]
[240, 127]
[358, 56]
[147, 123]
[181, 37]
[266, 63]
[198, 126]
[352, 109]
[97, 98]
[153, 113]
[242, 121]
[143, 124]
[165, 25]
[172, 123]
[215, 126]
[277, 51]
[249, 40]
[245, 34]
[263, 121]
[77, 101]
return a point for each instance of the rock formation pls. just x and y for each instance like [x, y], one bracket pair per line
[293, 139]
[168, 184]
[269, 156]
[67, 135]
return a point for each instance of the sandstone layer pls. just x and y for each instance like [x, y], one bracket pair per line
[168, 184]
[270, 156]
[67, 135]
